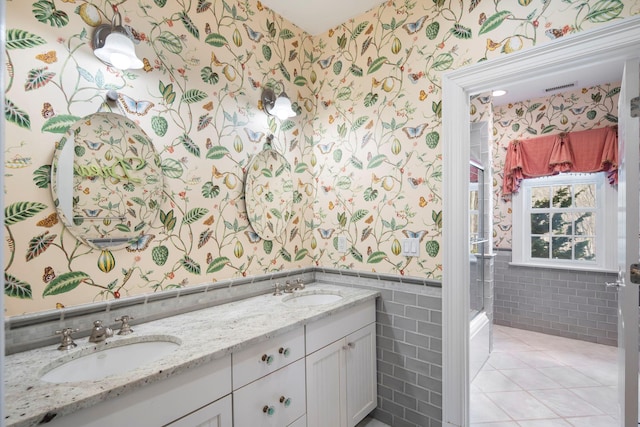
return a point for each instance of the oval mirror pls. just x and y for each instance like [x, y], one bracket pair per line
[106, 181]
[269, 193]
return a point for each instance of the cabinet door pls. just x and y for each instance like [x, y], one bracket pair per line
[326, 385]
[360, 350]
[216, 414]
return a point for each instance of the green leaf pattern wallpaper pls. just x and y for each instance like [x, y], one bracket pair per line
[364, 149]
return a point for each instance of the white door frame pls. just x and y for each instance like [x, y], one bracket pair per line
[617, 41]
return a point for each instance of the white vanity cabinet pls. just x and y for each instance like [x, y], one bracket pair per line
[341, 368]
[197, 393]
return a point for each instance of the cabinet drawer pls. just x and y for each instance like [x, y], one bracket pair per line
[332, 328]
[266, 357]
[259, 403]
[216, 414]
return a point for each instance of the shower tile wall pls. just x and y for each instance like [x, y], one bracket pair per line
[568, 303]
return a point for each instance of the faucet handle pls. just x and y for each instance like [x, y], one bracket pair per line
[277, 291]
[67, 340]
[125, 329]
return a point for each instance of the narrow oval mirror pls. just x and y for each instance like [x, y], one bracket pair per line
[269, 194]
[106, 181]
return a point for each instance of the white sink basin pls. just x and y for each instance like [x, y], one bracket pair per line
[95, 365]
[311, 298]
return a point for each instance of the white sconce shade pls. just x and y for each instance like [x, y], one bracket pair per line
[279, 107]
[113, 45]
[118, 51]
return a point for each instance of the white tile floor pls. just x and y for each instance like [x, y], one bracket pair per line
[538, 380]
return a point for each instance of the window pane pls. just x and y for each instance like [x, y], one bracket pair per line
[562, 223]
[585, 249]
[561, 248]
[585, 196]
[473, 226]
[540, 247]
[586, 224]
[540, 197]
[562, 196]
[540, 223]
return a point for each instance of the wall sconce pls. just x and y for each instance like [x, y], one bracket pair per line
[112, 44]
[279, 106]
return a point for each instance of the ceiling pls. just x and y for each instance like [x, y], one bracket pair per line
[319, 16]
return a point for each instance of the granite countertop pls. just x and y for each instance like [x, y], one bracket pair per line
[204, 335]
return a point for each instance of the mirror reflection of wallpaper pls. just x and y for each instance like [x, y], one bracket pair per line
[582, 109]
[116, 183]
[364, 149]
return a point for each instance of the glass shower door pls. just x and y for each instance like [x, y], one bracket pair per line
[476, 238]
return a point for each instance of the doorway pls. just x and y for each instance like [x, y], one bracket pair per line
[607, 46]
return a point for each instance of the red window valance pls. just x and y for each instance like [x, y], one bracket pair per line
[594, 150]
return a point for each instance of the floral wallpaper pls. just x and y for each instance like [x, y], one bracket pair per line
[582, 109]
[364, 149]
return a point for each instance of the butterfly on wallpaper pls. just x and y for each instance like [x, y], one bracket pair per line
[47, 57]
[208, 106]
[296, 220]
[423, 95]
[482, 18]
[253, 35]
[414, 132]
[326, 188]
[414, 77]
[260, 6]
[215, 172]
[132, 106]
[146, 65]
[423, 202]
[208, 144]
[414, 182]
[59, 305]
[326, 104]
[414, 27]
[293, 54]
[208, 221]
[209, 258]
[93, 145]
[326, 233]
[254, 136]
[577, 110]
[254, 83]
[331, 119]
[324, 63]
[331, 205]
[369, 30]
[504, 123]
[48, 274]
[292, 145]
[369, 220]
[252, 236]
[417, 235]
[91, 213]
[325, 148]
[49, 221]
[375, 83]
[140, 243]
[47, 111]
[484, 99]
[207, 28]
[504, 227]
[87, 190]
[554, 33]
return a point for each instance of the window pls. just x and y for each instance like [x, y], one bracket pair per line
[566, 220]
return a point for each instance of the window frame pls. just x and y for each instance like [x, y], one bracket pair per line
[606, 223]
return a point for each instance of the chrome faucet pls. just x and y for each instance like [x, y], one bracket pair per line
[289, 287]
[100, 333]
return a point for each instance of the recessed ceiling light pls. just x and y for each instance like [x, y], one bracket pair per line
[499, 92]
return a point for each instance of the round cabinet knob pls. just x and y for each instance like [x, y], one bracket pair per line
[286, 401]
[268, 359]
[269, 410]
[284, 351]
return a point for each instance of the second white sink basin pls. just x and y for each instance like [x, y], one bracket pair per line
[311, 298]
[95, 365]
